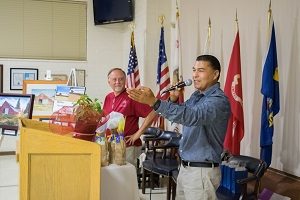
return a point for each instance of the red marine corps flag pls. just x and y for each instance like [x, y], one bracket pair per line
[233, 90]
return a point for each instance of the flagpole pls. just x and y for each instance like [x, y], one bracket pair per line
[199, 51]
[177, 10]
[207, 42]
[269, 21]
[132, 27]
[236, 20]
[269, 14]
[209, 28]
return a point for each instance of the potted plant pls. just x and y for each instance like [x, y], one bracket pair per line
[87, 114]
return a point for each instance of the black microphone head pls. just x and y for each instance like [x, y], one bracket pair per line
[188, 82]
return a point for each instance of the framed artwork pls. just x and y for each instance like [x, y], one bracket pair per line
[67, 96]
[44, 92]
[59, 77]
[13, 106]
[1, 78]
[80, 77]
[18, 75]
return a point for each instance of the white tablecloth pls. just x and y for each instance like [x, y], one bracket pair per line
[119, 182]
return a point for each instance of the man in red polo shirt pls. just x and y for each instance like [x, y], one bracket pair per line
[119, 101]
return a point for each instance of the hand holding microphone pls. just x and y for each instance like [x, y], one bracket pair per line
[146, 96]
[181, 84]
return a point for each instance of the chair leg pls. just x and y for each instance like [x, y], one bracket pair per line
[143, 181]
[173, 189]
[151, 180]
[243, 192]
[169, 188]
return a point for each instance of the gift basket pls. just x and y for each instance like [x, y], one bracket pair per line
[110, 135]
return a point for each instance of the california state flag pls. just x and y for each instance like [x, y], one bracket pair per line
[233, 90]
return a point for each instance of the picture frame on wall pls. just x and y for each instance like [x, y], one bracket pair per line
[14, 106]
[1, 78]
[59, 77]
[18, 75]
[44, 92]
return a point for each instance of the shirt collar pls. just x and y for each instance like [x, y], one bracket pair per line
[209, 90]
[119, 93]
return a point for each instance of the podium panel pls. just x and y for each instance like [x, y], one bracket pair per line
[57, 167]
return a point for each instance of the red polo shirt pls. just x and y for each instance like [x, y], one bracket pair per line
[131, 109]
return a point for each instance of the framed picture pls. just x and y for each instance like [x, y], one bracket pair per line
[13, 106]
[1, 78]
[67, 96]
[44, 92]
[17, 75]
[59, 77]
[80, 76]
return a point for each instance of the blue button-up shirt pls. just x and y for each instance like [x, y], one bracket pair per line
[204, 117]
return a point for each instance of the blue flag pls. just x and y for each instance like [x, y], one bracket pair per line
[270, 92]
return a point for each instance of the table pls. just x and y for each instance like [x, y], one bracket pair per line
[119, 182]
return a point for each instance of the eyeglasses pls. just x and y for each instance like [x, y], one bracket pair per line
[117, 79]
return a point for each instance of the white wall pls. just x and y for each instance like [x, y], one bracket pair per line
[252, 17]
[108, 46]
[105, 49]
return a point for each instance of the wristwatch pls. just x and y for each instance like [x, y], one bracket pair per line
[156, 105]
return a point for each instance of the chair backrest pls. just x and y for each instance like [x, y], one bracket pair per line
[152, 132]
[253, 165]
[166, 141]
[167, 135]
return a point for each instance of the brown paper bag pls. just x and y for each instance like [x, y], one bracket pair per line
[102, 141]
[117, 152]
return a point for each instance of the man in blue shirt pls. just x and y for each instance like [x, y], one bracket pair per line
[204, 117]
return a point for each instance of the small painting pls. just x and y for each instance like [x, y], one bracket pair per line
[13, 106]
[44, 92]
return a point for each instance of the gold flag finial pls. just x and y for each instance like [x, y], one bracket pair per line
[161, 19]
[177, 10]
[269, 13]
[131, 26]
[236, 20]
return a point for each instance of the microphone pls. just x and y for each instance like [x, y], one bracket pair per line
[181, 84]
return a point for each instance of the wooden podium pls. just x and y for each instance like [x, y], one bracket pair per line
[56, 167]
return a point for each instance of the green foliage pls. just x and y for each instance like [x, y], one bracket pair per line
[87, 109]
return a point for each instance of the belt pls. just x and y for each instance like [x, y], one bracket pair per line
[199, 164]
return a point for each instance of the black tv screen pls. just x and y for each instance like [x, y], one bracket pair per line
[112, 11]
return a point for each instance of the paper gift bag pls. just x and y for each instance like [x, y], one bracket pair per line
[236, 174]
[117, 150]
[226, 170]
[230, 174]
[102, 141]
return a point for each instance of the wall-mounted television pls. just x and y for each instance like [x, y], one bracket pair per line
[112, 11]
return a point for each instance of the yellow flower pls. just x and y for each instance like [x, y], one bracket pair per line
[121, 125]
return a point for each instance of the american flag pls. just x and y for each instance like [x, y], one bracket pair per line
[163, 76]
[133, 77]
